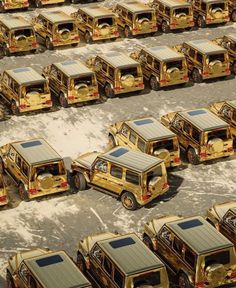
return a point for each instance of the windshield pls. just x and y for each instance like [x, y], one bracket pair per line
[183, 10]
[147, 15]
[129, 71]
[24, 32]
[175, 64]
[152, 279]
[108, 20]
[40, 88]
[222, 257]
[220, 57]
[68, 26]
[165, 144]
[217, 5]
[83, 80]
[222, 134]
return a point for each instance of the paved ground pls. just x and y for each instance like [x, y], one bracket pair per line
[59, 222]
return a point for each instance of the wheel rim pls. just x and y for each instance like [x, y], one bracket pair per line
[108, 91]
[153, 83]
[77, 181]
[14, 108]
[190, 156]
[126, 32]
[234, 68]
[128, 202]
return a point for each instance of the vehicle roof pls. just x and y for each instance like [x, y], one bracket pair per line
[163, 53]
[118, 60]
[135, 6]
[232, 103]
[131, 159]
[25, 75]
[206, 46]
[97, 11]
[36, 151]
[57, 16]
[150, 129]
[56, 269]
[13, 22]
[212, 1]
[73, 68]
[231, 36]
[175, 3]
[130, 254]
[204, 119]
[199, 235]
[222, 208]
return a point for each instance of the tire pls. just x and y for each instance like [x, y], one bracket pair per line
[79, 181]
[127, 32]
[196, 76]
[234, 68]
[112, 142]
[63, 101]
[15, 109]
[38, 4]
[183, 281]
[6, 51]
[165, 28]
[10, 282]
[109, 92]
[192, 156]
[22, 192]
[87, 37]
[2, 168]
[129, 201]
[74, 44]
[233, 16]
[48, 44]
[154, 84]
[201, 23]
[148, 242]
[81, 263]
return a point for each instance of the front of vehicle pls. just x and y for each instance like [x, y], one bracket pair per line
[145, 22]
[105, 27]
[182, 17]
[35, 96]
[217, 12]
[65, 33]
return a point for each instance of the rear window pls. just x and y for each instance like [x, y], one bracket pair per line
[165, 144]
[217, 5]
[129, 71]
[152, 279]
[214, 57]
[108, 20]
[147, 15]
[174, 64]
[157, 172]
[53, 169]
[24, 32]
[222, 134]
[35, 88]
[183, 10]
[83, 80]
[132, 177]
[69, 26]
[218, 258]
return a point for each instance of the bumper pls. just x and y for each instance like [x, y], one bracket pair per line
[153, 196]
[172, 163]
[181, 26]
[128, 90]
[145, 31]
[64, 43]
[215, 75]
[11, 6]
[217, 21]
[216, 156]
[48, 192]
[175, 82]
[35, 107]
[50, 2]
[107, 37]
[23, 49]
[73, 99]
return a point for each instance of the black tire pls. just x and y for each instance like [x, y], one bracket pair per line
[183, 281]
[192, 156]
[81, 263]
[79, 181]
[2, 10]
[6, 51]
[2, 168]
[165, 28]
[233, 68]
[112, 142]
[201, 23]
[48, 44]
[10, 282]
[87, 37]
[15, 109]
[129, 201]
[63, 101]
[148, 242]
[233, 16]
[22, 192]
[74, 44]
[196, 76]
[109, 92]
[38, 4]
[127, 32]
[154, 84]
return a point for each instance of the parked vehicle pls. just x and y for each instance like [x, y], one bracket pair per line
[42, 3]
[8, 5]
[3, 192]
[232, 10]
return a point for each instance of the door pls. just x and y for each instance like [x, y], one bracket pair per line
[116, 179]
[55, 79]
[100, 173]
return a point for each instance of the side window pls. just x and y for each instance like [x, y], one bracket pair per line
[111, 72]
[191, 53]
[124, 14]
[5, 79]
[90, 21]
[157, 65]
[203, 6]
[167, 11]
[132, 137]
[49, 26]
[165, 235]
[15, 87]
[149, 60]
[104, 67]
[118, 278]
[124, 131]
[101, 165]
[230, 219]
[189, 257]
[226, 111]
[18, 161]
[177, 245]
[132, 177]
[141, 145]
[12, 154]
[195, 134]
[53, 71]
[24, 273]
[107, 265]
[130, 16]
[187, 128]
[25, 169]
[161, 8]
[97, 253]
[199, 57]
[64, 80]
[116, 171]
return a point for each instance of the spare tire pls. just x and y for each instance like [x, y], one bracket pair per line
[82, 88]
[128, 80]
[45, 180]
[21, 37]
[215, 274]
[217, 13]
[161, 153]
[215, 145]
[65, 33]
[105, 29]
[180, 15]
[173, 71]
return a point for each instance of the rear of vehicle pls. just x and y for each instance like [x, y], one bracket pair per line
[65, 33]
[50, 2]
[48, 178]
[144, 22]
[83, 88]
[217, 12]
[174, 72]
[128, 78]
[154, 183]
[3, 192]
[14, 4]
[181, 17]
[168, 150]
[35, 96]
[22, 40]
[105, 27]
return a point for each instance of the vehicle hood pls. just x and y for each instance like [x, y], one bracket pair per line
[86, 160]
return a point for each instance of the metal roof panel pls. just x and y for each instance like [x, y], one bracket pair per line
[57, 16]
[25, 75]
[118, 60]
[175, 3]
[164, 53]
[136, 6]
[206, 46]
[97, 11]
[73, 68]
[13, 22]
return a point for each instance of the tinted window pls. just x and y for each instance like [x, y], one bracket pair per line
[116, 171]
[219, 258]
[199, 57]
[190, 258]
[107, 20]
[107, 265]
[132, 177]
[118, 278]
[132, 137]
[222, 134]
[196, 134]
[152, 279]
[141, 145]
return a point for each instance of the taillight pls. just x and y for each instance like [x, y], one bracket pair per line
[145, 197]
[77, 38]
[233, 274]
[200, 285]
[118, 88]
[95, 93]
[203, 154]
[48, 102]
[136, 29]
[23, 106]
[141, 85]
[71, 98]
[163, 81]
[165, 186]
[226, 17]
[230, 149]
[3, 198]
[227, 70]
[32, 191]
[34, 44]
[185, 77]
[176, 159]
[64, 184]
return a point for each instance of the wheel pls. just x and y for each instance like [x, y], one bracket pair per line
[79, 181]
[74, 44]
[165, 27]
[196, 76]
[87, 37]
[10, 281]
[184, 281]
[81, 263]
[233, 16]
[153, 83]
[34, 51]
[48, 44]
[109, 92]
[127, 32]
[6, 51]
[234, 67]
[63, 101]
[111, 139]
[201, 22]
[148, 242]
[22, 192]
[192, 156]
[129, 201]
[15, 109]
[38, 4]
[2, 10]
[2, 168]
